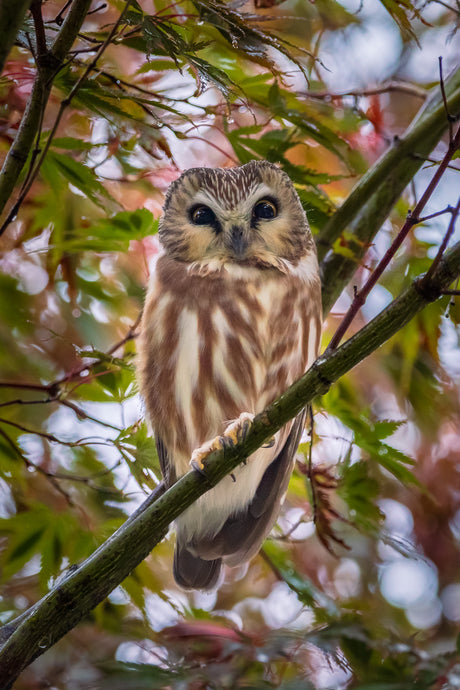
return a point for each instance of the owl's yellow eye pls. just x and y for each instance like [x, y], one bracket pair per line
[265, 209]
[202, 215]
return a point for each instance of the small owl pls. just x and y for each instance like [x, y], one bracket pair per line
[232, 318]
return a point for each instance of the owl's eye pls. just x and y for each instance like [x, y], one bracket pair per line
[265, 209]
[202, 215]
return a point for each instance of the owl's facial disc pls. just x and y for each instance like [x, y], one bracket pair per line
[250, 215]
[235, 232]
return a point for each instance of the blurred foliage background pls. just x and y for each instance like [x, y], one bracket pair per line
[368, 594]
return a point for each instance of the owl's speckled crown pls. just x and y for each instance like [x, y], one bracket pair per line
[229, 185]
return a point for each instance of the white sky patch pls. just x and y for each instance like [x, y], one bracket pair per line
[398, 518]
[366, 54]
[377, 301]
[162, 613]
[450, 597]
[425, 614]
[347, 578]
[404, 583]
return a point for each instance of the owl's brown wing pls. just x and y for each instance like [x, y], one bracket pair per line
[190, 572]
[197, 564]
[193, 572]
[167, 469]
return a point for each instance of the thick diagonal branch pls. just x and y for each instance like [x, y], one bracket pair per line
[89, 584]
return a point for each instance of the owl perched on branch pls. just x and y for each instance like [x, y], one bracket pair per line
[232, 318]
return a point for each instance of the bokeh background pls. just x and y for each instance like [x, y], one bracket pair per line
[368, 594]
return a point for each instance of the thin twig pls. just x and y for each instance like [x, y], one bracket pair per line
[64, 105]
[54, 439]
[448, 209]
[286, 536]
[58, 18]
[448, 7]
[434, 162]
[29, 464]
[444, 243]
[81, 414]
[40, 37]
[450, 118]
[314, 503]
[100, 7]
[413, 218]
[391, 86]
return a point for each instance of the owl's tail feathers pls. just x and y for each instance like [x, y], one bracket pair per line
[192, 572]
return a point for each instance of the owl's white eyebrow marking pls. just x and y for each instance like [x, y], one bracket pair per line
[231, 196]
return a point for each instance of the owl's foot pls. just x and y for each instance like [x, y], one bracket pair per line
[235, 432]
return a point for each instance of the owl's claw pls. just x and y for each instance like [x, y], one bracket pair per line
[235, 432]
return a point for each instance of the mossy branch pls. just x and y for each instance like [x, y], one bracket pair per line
[372, 199]
[88, 584]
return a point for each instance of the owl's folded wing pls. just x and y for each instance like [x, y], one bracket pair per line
[197, 563]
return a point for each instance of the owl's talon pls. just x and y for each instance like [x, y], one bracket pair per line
[270, 443]
[226, 442]
[235, 432]
[200, 468]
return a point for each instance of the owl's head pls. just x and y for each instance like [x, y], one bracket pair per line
[250, 215]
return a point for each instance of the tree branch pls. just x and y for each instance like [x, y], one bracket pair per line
[87, 585]
[412, 219]
[11, 17]
[387, 87]
[48, 67]
[372, 199]
[65, 103]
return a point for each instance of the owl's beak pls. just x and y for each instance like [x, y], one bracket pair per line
[239, 241]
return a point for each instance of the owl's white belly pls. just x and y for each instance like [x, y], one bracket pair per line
[231, 495]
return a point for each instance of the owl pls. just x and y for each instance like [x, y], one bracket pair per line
[232, 317]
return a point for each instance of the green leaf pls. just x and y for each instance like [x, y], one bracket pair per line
[359, 490]
[80, 176]
[402, 12]
[72, 144]
[24, 533]
[306, 591]
[112, 234]
[368, 436]
[139, 450]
